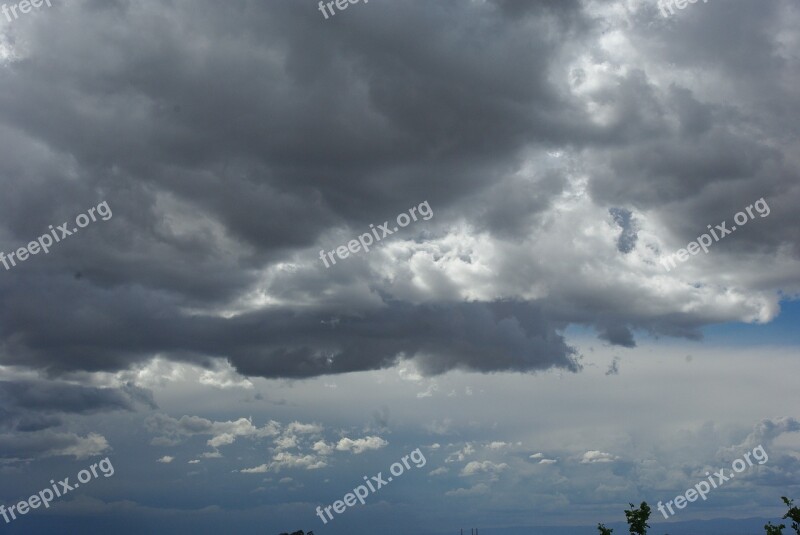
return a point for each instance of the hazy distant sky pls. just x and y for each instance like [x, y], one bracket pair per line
[525, 337]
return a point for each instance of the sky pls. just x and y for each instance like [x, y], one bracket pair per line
[257, 254]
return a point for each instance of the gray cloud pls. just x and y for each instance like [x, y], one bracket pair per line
[31, 406]
[49, 443]
[50, 396]
[564, 146]
[227, 167]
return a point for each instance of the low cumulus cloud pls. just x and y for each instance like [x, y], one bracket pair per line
[49, 443]
[171, 431]
[595, 456]
[360, 445]
[483, 467]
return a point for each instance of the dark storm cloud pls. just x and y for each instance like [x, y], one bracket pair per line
[473, 336]
[233, 140]
[50, 396]
[49, 443]
[275, 127]
[289, 125]
[35, 405]
[618, 335]
[227, 138]
[508, 208]
[698, 158]
[562, 8]
[36, 422]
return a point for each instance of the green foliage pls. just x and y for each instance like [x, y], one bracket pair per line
[773, 530]
[793, 514]
[637, 518]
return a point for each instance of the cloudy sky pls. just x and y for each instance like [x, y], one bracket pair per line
[521, 330]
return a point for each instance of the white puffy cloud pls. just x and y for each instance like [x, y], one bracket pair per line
[303, 429]
[360, 445]
[283, 460]
[89, 446]
[222, 440]
[322, 447]
[224, 378]
[172, 431]
[286, 442]
[485, 467]
[542, 459]
[159, 372]
[595, 456]
[260, 469]
[408, 372]
[461, 454]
